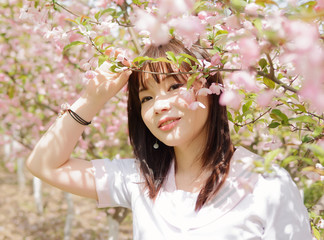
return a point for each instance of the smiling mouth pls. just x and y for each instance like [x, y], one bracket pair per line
[168, 124]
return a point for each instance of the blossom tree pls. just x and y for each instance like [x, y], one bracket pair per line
[271, 56]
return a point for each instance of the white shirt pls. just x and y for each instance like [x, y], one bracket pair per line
[248, 206]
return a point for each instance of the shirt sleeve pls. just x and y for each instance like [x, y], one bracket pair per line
[287, 216]
[115, 180]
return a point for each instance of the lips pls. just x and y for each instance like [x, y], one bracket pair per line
[168, 123]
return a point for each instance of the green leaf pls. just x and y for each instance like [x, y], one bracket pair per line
[263, 63]
[304, 119]
[263, 2]
[318, 152]
[71, 20]
[269, 83]
[102, 59]
[270, 156]
[238, 4]
[160, 59]
[11, 91]
[274, 125]
[287, 160]
[316, 233]
[171, 56]
[278, 115]
[229, 116]
[140, 60]
[75, 43]
[250, 127]
[40, 98]
[190, 57]
[236, 128]
[301, 107]
[100, 13]
[246, 106]
[99, 40]
[318, 130]
[306, 139]
[258, 24]
[192, 79]
[113, 68]
[309, 4]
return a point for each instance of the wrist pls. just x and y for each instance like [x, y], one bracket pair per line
[86, 108]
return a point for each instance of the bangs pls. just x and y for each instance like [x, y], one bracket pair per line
[161, 70]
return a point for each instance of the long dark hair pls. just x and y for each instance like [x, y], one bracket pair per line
[155, 163]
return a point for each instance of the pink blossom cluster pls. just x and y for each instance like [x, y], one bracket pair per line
[157, 20]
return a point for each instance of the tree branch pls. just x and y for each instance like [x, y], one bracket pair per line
[253, 121]
[271, 65]
[130, 28]
[76, 15]
[94, 45]
[276, 80]
[175, 73]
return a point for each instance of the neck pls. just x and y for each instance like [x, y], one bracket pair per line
[187, 162]
[189, 174]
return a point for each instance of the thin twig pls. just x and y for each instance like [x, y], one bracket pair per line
[271, 65]
[314, 115]
[175, 73]
[124, 25]
[253, 121]
[276, 80]
[22, 143]
[76, 15]
[130, 28]
[47, 107]
[94, 45]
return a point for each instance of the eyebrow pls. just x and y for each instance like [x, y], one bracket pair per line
[142, 89]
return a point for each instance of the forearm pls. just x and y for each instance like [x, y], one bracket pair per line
[55, 147]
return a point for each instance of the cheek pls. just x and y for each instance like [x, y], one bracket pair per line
[147, 114]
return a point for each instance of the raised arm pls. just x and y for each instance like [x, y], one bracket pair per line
[50, 160]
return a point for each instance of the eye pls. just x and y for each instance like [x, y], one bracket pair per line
[175, 86]
[145, 99]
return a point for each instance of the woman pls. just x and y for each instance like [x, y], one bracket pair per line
[188, 181]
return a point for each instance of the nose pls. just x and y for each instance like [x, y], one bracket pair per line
[161, 105]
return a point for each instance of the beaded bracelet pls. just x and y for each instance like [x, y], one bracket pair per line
[66, 108]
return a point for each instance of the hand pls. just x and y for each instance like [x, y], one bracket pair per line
[106, 84]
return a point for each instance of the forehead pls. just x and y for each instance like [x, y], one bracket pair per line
[158, 72]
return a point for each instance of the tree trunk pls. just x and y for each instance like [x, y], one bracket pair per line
[37, 185]
[113, 226]
[20, 174]
[115, 220]
[69, 216]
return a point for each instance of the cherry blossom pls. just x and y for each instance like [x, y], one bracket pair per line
[249, 51]
[231, 98]
[245, 80]
[195, 105]
[215, 60]
[188, 29]
[204, 92]
[216, 88]
[264, 99]
[159, 31]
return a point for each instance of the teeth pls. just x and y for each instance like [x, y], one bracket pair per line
[167, 122]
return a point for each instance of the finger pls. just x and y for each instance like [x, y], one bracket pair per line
[123, 77]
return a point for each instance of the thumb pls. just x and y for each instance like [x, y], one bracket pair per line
[122, 79]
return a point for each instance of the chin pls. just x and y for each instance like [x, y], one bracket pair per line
[172, 143]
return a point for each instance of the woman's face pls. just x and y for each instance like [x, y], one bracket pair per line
[166, 114]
